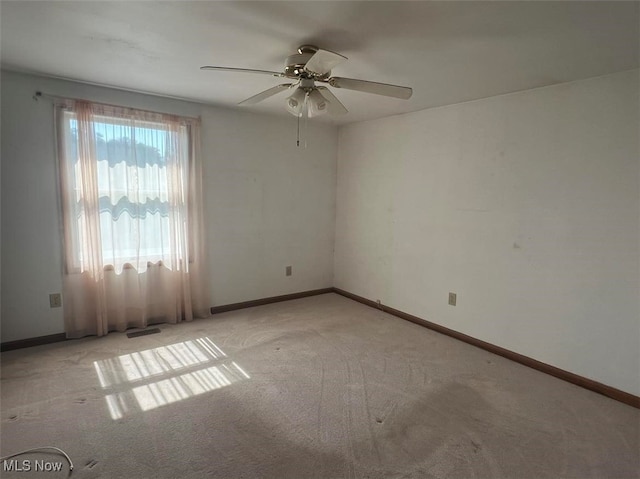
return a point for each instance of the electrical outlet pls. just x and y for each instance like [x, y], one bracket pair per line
[452, 299]
[288, 270]
[55, 300]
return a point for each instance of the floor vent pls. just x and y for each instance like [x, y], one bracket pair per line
[144, 332]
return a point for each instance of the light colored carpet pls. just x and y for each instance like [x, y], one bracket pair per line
[321, 387]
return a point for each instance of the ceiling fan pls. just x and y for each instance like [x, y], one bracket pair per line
[305, 68]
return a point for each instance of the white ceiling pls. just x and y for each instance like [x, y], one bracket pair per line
[448, 52]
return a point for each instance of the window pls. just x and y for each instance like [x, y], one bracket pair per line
[139, 182]
[131, 188]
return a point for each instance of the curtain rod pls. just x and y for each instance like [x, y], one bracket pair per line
[39, 94]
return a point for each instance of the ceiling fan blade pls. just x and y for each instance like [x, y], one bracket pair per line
[335, 106]
[385, 89]
[242, 70]
[265, 94]
[323, 61]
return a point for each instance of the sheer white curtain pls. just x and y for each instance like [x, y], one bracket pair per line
[132, 212]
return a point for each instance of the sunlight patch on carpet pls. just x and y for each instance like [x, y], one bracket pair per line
[152, 378]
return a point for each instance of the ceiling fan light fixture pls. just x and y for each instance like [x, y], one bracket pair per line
[318, 105]
[295, 102]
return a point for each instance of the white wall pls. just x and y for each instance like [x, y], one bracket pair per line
[526, 205]
[268, 204]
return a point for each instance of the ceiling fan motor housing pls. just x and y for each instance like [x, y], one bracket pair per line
[294, 64]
